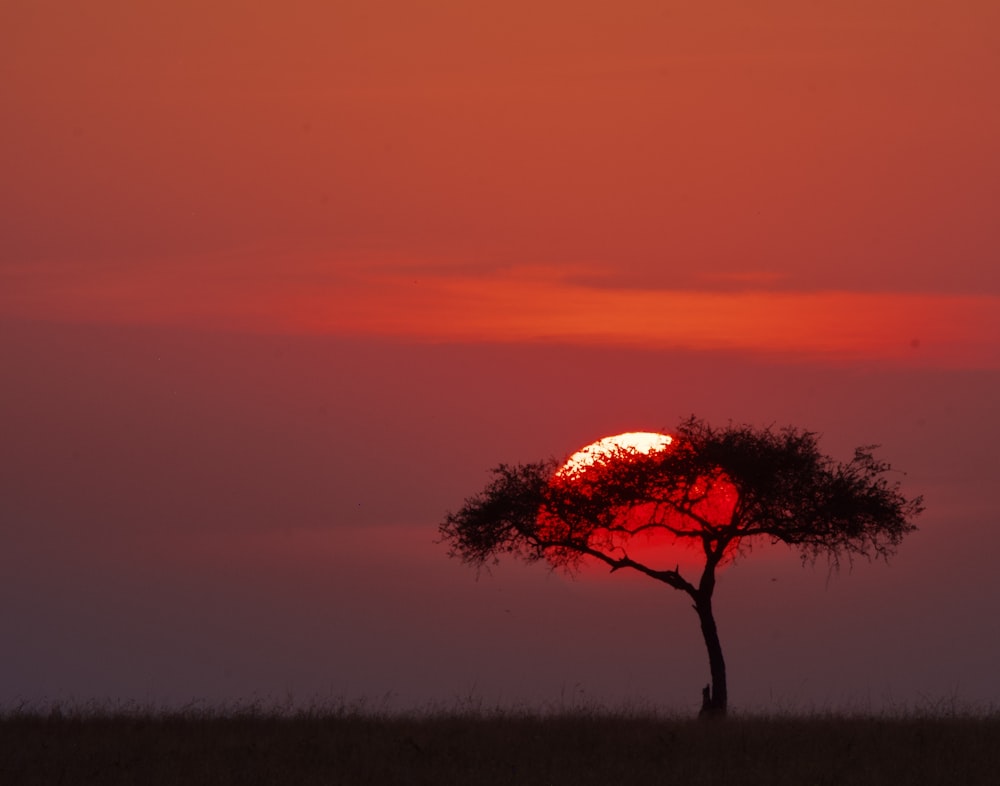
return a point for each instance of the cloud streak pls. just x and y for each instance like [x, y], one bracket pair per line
[528, 306]
[536, 305]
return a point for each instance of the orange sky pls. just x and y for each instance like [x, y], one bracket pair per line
[693, 175]
[280, 281]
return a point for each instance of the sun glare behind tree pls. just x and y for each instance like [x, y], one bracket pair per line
[629, 442]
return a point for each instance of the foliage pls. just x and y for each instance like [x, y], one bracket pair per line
[719, 487]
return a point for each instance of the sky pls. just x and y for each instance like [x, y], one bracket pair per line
[279, 284]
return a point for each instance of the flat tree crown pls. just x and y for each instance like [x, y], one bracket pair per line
[718, 489]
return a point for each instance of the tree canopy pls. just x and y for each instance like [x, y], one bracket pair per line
[718, 489]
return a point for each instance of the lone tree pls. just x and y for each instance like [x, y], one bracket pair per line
[716, 490]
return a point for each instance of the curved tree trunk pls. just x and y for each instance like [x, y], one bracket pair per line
[714, 697]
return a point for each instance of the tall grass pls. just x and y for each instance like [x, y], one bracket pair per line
[343, 745]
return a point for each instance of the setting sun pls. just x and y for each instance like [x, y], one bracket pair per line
[648, 529]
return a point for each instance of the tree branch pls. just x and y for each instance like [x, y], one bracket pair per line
[671, 577]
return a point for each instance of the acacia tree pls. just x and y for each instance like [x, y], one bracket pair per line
[718, 490]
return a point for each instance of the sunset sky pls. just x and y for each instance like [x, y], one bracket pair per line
[279, 283]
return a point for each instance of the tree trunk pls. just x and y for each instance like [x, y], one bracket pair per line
[714, 697]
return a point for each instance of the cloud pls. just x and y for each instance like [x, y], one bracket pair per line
[537, 305]
[450, 303]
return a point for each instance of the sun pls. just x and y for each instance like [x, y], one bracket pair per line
[629, 442]
[647, 530]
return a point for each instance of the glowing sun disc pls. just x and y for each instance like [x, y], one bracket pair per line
[630, 441]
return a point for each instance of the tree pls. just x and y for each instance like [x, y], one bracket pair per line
[719, 490]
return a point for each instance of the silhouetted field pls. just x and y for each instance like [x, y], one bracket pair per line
[578, 748]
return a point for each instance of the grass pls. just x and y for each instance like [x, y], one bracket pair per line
[253, 746]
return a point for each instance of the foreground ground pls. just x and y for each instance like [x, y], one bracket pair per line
[578, 749]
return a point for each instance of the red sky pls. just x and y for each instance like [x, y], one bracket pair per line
[312, 268]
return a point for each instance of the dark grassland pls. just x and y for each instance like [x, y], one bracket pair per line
[586, 747]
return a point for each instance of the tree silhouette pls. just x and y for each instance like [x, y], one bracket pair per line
[718, 490]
